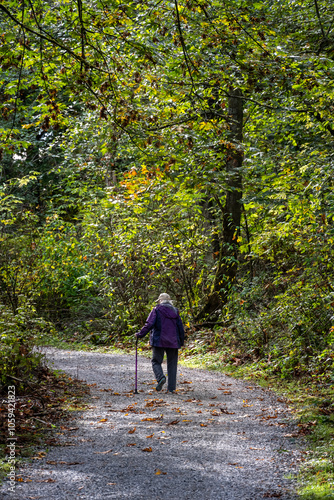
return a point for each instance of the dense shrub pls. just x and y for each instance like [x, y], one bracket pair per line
[19, 334]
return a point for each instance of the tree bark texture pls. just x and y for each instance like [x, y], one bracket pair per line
[227, 263]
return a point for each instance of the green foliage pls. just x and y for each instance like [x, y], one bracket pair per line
[66, 264]
[19, 333]
[150, 236]
[286, 321]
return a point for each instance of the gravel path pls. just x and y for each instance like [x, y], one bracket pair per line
[217, 438]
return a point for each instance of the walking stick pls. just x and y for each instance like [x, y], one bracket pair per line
[136, 366]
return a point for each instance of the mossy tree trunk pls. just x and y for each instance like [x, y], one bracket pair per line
[225, 244]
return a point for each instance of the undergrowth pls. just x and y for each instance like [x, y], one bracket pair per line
[40, 408]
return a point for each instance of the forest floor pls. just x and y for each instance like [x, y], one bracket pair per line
[216, 438]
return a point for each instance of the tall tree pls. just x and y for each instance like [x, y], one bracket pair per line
[226, 242]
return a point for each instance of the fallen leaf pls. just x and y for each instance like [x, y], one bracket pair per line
[40, 455]
[154, 402]
[132, 430]
[131, 444]
[62, 462]
[102, 452]
[223, 410]
[203, 425]
[150, 436]
[46, 481]
[185, 382]
[147, 449]
[103, 420]
[158, 472]
[173, 422]
[111, 484]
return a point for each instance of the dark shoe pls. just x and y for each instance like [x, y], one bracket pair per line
[161, 382]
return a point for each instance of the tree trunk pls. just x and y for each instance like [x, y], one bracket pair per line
[227, 262]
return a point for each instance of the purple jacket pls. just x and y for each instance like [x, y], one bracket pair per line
[165, 325]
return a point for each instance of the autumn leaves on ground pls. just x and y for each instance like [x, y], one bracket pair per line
[215, 438]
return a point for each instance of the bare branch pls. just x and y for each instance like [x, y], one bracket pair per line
[319, 19]
[186, 57]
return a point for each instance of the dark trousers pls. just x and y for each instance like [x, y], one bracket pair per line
[157, 359]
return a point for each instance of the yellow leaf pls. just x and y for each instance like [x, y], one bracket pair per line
[158, 472]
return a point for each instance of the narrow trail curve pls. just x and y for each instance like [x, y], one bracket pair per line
[217, 438]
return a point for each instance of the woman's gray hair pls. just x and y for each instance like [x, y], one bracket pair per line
[164, 297]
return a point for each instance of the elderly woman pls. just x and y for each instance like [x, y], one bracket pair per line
[167, 335]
